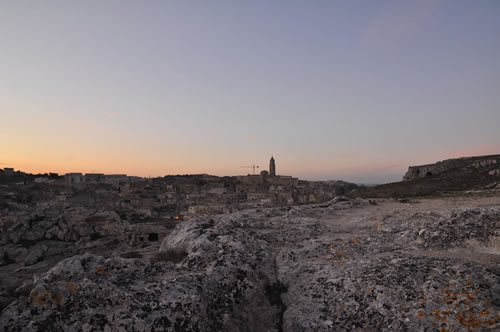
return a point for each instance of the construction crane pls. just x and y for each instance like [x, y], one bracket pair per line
[252, 167]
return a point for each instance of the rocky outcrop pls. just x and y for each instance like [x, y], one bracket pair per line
[208, 276]
[29, 238]
[486, 163]
[34, 242]
[453, 176]
[345, 265]
[385, 280]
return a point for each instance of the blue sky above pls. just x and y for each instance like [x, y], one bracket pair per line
[354, 90]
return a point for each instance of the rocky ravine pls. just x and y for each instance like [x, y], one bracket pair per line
[349, 265]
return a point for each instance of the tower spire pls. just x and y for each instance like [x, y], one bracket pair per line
[272, 167]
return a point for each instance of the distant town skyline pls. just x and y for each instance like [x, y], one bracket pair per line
[346, 90]
[370, 179]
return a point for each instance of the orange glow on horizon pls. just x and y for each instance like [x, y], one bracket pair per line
[145, 168]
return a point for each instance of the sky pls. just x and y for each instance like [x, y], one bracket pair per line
[352, 90]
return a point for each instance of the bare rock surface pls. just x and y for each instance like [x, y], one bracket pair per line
[398, 271]
[365, 265]
[32, 242]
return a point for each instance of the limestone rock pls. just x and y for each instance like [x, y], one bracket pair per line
[346, 266]
[226, 271]
[478, 163]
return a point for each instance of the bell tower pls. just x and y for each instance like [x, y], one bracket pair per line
[272, 167]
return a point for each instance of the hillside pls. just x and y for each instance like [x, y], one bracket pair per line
[452, 175]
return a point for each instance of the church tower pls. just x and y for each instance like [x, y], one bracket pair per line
[272, 167]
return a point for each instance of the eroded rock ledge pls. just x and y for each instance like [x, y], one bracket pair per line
[349, 265]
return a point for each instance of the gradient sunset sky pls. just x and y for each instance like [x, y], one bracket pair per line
[353, 90]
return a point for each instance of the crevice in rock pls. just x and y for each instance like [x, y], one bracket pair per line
[273, 292]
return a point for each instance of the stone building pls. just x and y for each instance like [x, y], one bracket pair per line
[94, 177]
[74, 178]
[41, 179]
